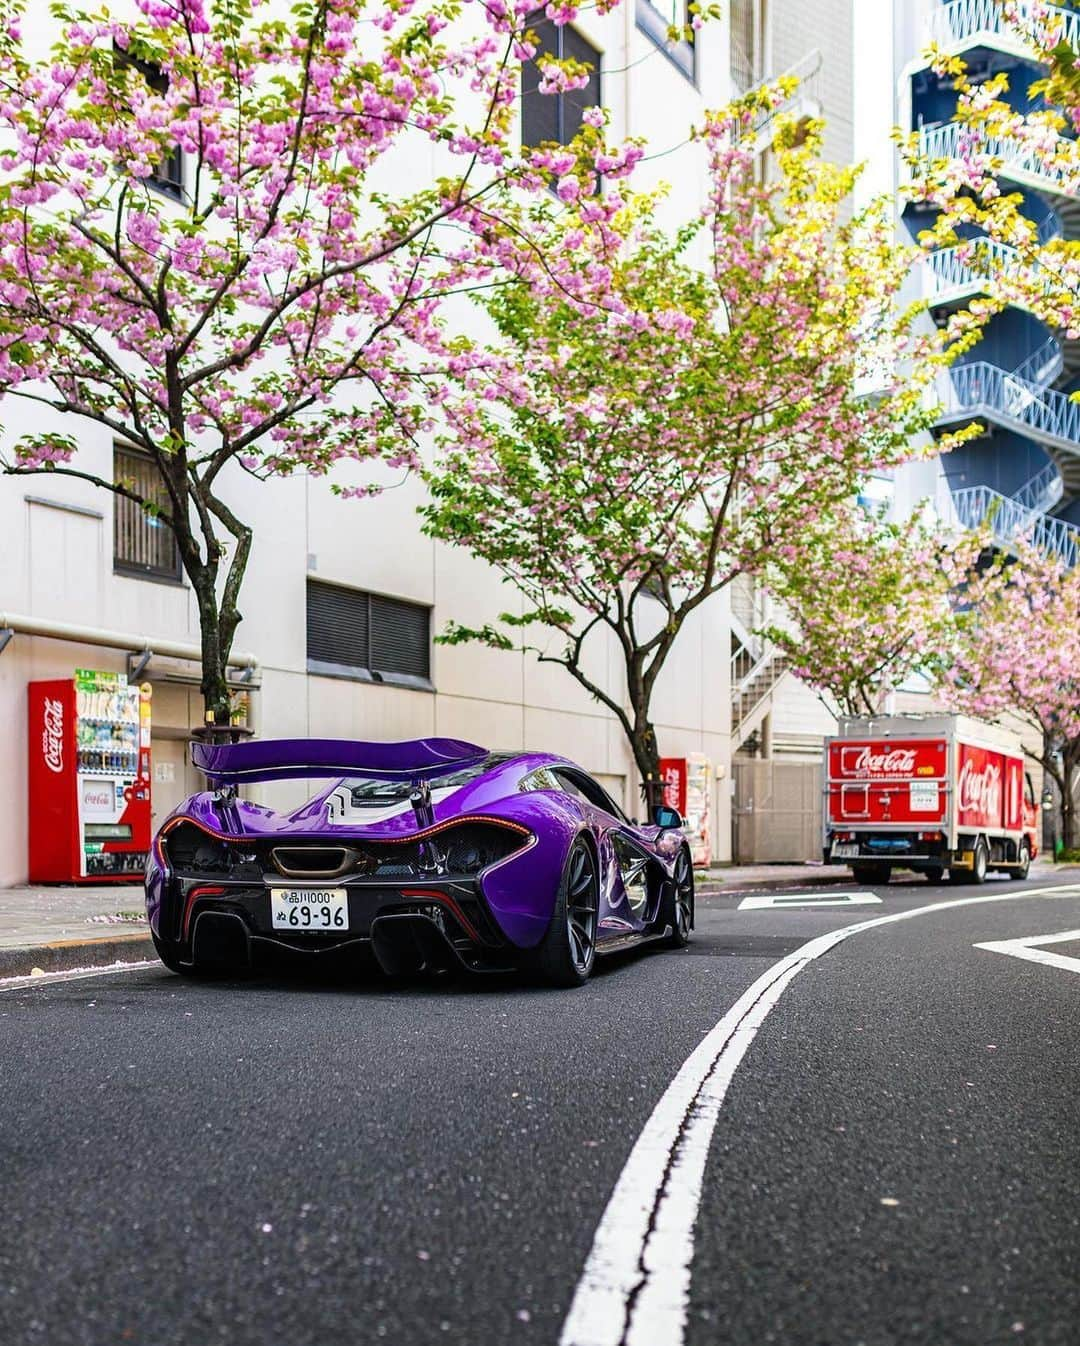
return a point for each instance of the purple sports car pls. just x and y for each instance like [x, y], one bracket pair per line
[433, 854]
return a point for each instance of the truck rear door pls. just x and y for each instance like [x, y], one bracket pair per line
[896, 782]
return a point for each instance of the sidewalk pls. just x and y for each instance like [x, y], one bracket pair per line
[55, 929]
[721, 879]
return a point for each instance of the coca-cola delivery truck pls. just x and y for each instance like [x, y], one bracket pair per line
[930, 793]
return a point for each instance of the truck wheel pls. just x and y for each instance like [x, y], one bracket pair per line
[981, 862]
[871, 873]
[1023, 868]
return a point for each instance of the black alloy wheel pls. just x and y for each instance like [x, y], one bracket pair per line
[679, 913]
[567, 952]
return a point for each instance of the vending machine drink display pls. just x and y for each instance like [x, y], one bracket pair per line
[89, 777]
[687, 786]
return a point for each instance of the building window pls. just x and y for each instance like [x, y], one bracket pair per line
[168, 176]
[747, 19]
[353, 633]
[558, 117]
[142, 544]
[655, 18]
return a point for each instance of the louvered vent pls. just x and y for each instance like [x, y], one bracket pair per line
[399, 637]
[353, 629]
[337, 625]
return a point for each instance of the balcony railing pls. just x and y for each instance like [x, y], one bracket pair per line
[959, 270]
[977, 506]
[1018, 160]
[1044, 414]
[963, 20]
[969, 268]
[1041, 493]
[806, 98]
[1043, 365]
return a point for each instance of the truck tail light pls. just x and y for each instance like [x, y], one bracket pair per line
[930, 836]
[844, 836]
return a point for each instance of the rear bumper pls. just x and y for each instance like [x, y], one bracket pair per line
[406, 927]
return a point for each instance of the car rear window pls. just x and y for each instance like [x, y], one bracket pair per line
[369, 792]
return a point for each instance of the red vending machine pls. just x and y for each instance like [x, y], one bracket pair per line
[89, 740]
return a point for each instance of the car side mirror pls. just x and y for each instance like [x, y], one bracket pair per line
[666, 818]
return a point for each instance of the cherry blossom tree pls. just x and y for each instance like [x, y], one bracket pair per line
[1016, 652]
[868, 601]
[677, 410]
[214, 242]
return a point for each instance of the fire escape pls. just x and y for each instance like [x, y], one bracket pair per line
[1025, 394]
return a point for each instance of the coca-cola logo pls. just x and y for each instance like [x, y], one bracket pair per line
[980, 791]
[891, 762]
[52, 735]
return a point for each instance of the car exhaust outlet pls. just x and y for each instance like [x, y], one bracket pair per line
[405, 943]
[220, 940]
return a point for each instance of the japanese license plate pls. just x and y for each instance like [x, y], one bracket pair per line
[845, 850]
[319, 909]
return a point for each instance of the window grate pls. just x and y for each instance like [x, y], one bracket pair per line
[353, 630]
[142, 544]
[167, 176]
[747, 20]
[556, 117]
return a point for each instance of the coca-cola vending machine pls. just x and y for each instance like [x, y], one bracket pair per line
[687, 786]
[89, 778]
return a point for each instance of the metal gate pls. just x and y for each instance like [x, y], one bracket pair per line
[777, 813]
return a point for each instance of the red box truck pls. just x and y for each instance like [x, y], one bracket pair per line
[928, 793]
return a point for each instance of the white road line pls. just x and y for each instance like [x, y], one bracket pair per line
[635, 1286]
[1031, 949]
[762, 901]
[74, 974]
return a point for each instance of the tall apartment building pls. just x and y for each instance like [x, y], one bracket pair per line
[343, 598]
[1024, 472]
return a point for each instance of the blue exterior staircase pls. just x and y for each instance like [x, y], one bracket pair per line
[1021, 396]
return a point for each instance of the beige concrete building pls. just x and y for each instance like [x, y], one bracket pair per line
[343, 598]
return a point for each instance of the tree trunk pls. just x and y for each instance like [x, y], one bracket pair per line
[1070, 760]
[647, 758]
[215, 657]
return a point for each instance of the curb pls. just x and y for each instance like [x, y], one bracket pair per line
[65, 955]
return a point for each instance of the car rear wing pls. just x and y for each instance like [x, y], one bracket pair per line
[293, 758]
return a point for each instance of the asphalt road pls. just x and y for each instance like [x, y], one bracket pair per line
[279, 1161]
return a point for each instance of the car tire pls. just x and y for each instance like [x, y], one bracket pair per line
[871, 873]
[977, 872]
[1023, 868]
[567, 952]
[169, 953]
[678, 909]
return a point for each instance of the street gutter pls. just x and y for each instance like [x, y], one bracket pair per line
[65, 955]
